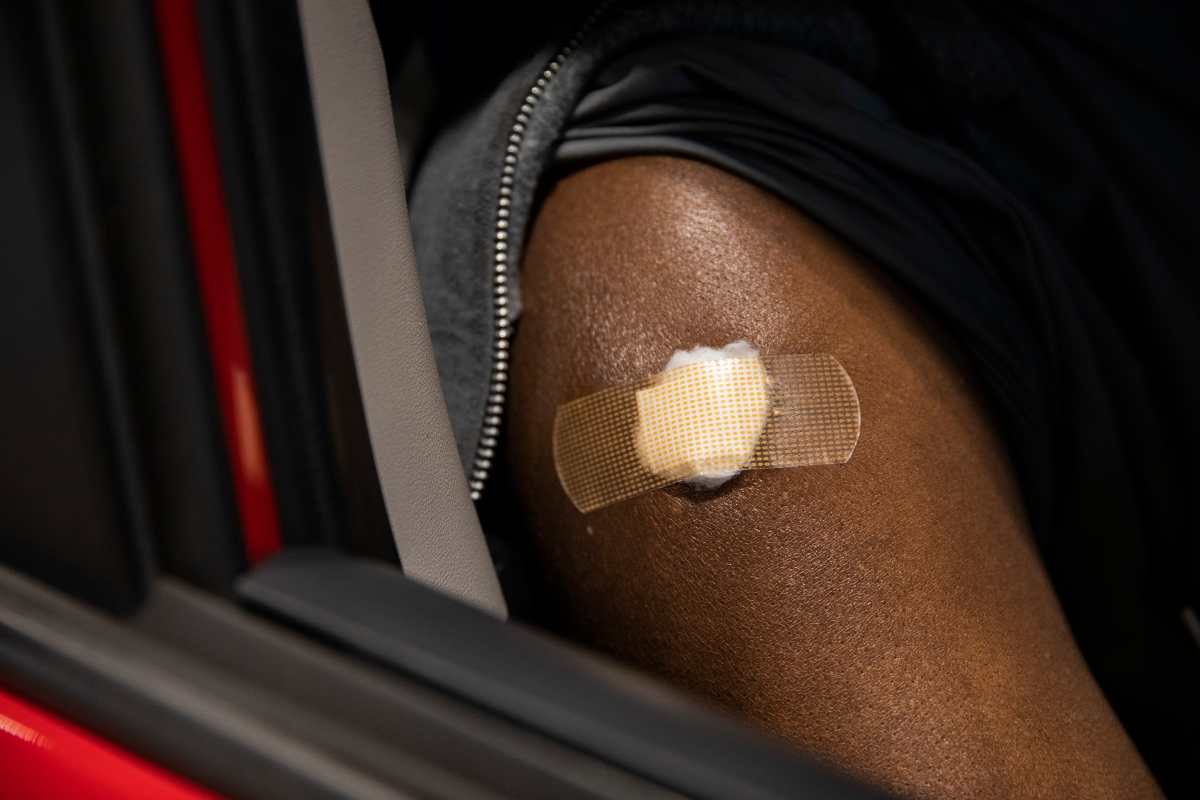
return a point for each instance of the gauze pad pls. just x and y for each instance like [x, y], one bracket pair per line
[704, 422]
[701, 420]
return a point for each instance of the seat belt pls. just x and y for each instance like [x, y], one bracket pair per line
[433, 520]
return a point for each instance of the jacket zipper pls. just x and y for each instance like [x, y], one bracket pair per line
[498, 379]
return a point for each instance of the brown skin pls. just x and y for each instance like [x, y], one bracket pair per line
[891, 614]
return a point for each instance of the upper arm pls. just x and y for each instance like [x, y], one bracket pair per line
[889, 613]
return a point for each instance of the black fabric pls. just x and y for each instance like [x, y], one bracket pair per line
[1029, 174]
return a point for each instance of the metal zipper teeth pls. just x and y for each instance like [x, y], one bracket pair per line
[498, 380]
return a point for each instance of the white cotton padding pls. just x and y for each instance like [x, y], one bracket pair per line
[740, 349]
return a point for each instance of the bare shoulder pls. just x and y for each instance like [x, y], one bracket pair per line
[890, 613]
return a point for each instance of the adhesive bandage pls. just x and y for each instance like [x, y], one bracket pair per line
[706, 417]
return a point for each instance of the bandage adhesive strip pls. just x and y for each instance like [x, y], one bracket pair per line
[769, 412]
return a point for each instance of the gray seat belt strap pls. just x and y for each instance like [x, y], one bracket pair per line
[433, 520]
